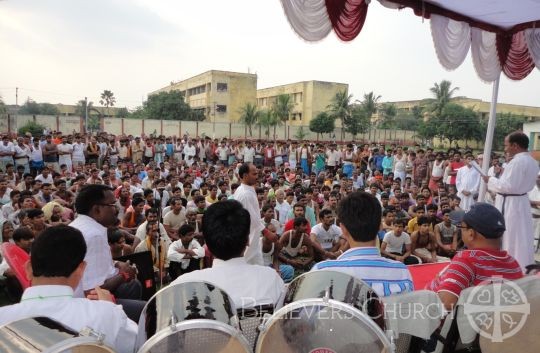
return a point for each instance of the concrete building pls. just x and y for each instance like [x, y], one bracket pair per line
[309, 97]
[218, 94]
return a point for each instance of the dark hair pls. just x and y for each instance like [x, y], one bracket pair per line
[185, 229]
[22, 233]
[147, 192]
[300, 221]
[225, 227]
[114, 235]
[34, 212]
[360, 213]
[423, 220]
[419, 208]
[47, 261]
[198, 199]
[136, 201]
[244, 169]
[89, 196]
[400, 222]
[388, 210]
[519, 138]
[324, 212]
[432, 207]
[266, 208]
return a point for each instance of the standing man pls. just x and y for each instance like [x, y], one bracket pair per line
[50, 154]
[518, 178]
[467, 184]
[534, 197]
[65, 150]
[7, 150]
[22, 155]
[246, 195]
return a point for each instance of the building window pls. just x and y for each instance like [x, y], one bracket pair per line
[197, 90]
[298, 97]
[221, 87]
[299, 116]
[221, 108]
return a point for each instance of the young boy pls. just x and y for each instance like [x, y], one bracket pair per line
[396, 245]
[446, 236]
[423, 242]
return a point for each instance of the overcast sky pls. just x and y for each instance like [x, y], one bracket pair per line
[60, 51]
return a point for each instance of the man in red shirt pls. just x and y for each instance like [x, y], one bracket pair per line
[481, 230]
[454, 166]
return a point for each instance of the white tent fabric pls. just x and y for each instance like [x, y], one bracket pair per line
[308, 18]
[452, 40]
[532, 36]
[484, 54]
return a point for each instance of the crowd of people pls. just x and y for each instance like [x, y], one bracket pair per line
[251, 215]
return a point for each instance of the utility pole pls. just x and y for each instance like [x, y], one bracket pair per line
[17, 96]
[86, 114]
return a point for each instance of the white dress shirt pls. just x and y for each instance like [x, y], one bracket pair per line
[57, 302]
[247, 196]
[247, 285]
[99, 262]
[174, 255]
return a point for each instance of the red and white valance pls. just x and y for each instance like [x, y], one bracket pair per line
[508, 41]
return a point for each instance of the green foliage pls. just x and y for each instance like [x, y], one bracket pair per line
[107, 100]
[506, 123]
[249, 116]
[442, 94]
[122, 113]
[340, 106]
[407, 121]
[32, 127]
[93, 123]
[283, 107]
[167, 106]
[80, 109]
[138, 113]
[370, 103]
[3, 108]
[301, 134]
[388, 113]
[33, 108]
[267, 119]
[322, 123]
[357, 122]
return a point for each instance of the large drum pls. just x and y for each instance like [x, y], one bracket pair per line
[321, 326]
[197, 336]
[338, 286]
[43, 335]
[185, 301]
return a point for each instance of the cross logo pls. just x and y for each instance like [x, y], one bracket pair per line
[497, 309]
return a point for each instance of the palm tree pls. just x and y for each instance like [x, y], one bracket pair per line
[340, 107]
[107, 99]
[267, 119]
[442, 95]
[249, 116]
[283, 108]
[370, 104]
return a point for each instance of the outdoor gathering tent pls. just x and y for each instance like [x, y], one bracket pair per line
[503, 36]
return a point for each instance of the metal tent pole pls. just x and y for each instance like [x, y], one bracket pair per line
[489, 136]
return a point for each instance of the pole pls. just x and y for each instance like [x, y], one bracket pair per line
[86, 115]
[489, 136]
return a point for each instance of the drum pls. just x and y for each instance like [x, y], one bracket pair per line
[16, 258]
[185, 301]
[43, 335]
[197, 336]
[321, 326]
[340, 287]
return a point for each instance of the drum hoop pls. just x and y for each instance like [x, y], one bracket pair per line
[195, 324]
[74, 342]
[328, 303]
[311, 273]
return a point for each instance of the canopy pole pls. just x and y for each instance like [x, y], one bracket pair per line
[489, 136]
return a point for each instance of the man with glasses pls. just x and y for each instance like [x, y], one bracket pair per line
[481, 231]
[96, 208]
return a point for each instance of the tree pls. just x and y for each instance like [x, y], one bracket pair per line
[506, 123]
[48, 109]
[357, 122]
[122, 113]
[322, 124]
[80, 109]
[107, 99]
[407, 121]
[138, 113]
[3, 108]
[442, 94]
[340, 106]
[283, 107]
[249, 116]
[300, 134]
[455, 123]
[267, 119]
[32, 127]
[388, 112]
[167, 106]
[31, 107]
[370, 104]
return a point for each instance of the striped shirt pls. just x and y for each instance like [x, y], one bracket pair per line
[385, 276]
[472, 267]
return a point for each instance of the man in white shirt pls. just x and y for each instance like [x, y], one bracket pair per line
[45, 176]
[65, 150]
[282, 207]
[246, 195]
[152, 216]
[184, 254]
[22, 155]
[467, 184]
[189, 153]
[223, 153]
[249, 153]
[534, 198]
[174, 218]
[226, 229]
[7, 150]
[333, 157]
[54, 275]
[326, 237]
[97, 210]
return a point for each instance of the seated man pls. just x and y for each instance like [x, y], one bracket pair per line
[184, 254]
[481, 230]
[360, 216]
[225, 228]
[424, 243]
[54, 275]
[296, 247]
[326, 237]
[396, 245]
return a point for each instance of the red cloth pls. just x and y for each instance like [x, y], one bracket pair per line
[423, 274]
[290, 225]
[514, 56]
[347, 17]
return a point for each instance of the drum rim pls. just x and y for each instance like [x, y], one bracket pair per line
[195, 324]
[339, 273]
[326, 302]
[75, 342]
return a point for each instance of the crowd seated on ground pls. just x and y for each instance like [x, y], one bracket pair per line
[368, 210]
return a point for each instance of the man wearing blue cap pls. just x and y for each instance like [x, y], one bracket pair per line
[481, 230]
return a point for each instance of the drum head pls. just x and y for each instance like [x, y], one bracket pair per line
[338, 286]
[186, 301]
[320, 326]
[197, 336]
[36, 335]
[16, 259]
